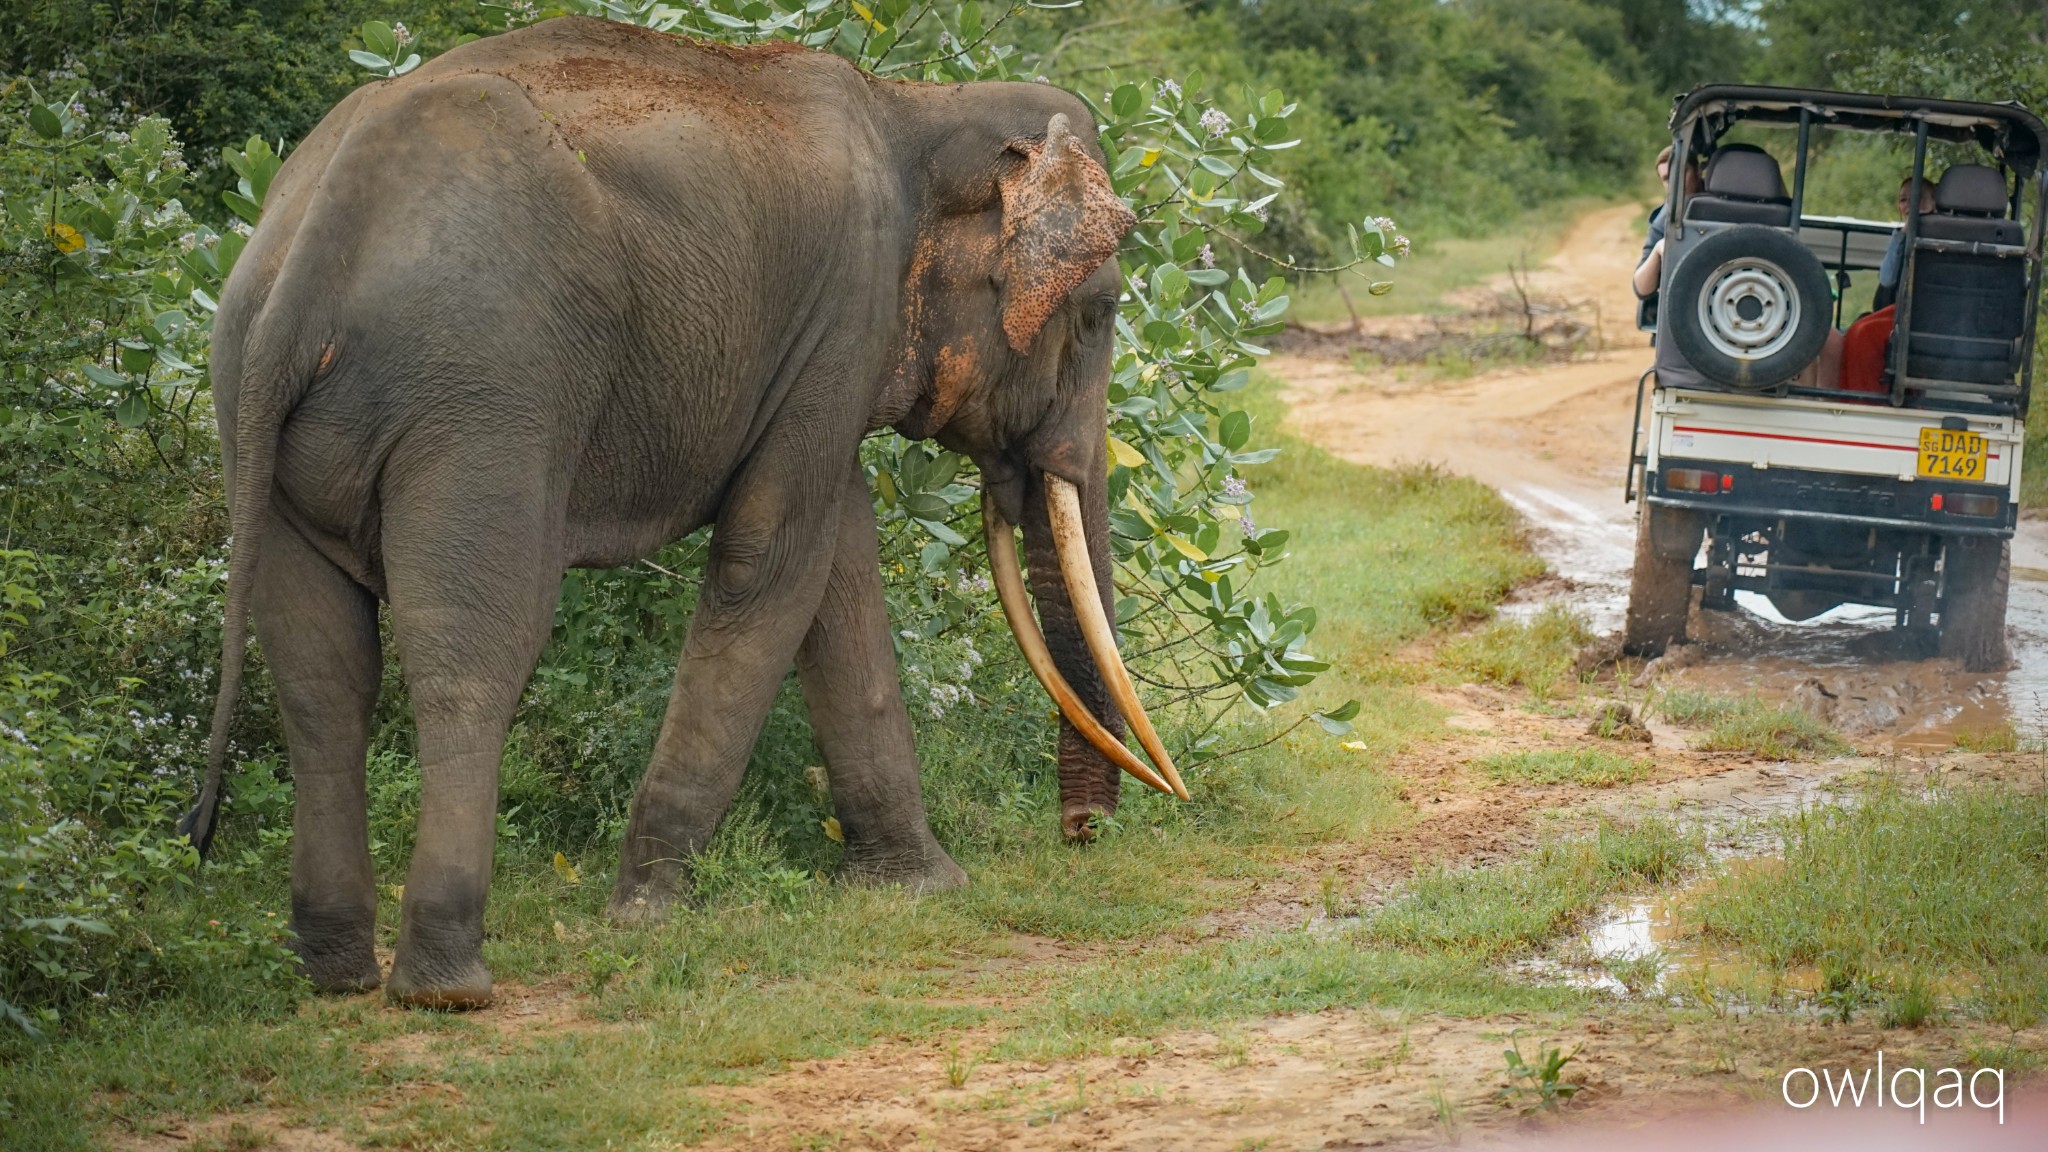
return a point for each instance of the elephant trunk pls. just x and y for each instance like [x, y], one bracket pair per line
[1066, 534]
[1089, 782]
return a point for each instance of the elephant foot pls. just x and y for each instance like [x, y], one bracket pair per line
[924, 872]
[339, 976]
[457, 988]
[639, 906]
[439, 964]
[1077, 822]
[336, 953]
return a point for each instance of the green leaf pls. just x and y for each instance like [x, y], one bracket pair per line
[105, 378]
[133, 410]
[136, 356]
[45, 122]
[1235, 430]
[943, 531]
[242, 206]
[378, 37]
[228, 250]
[1127, 101]
[370, 60]
[924, 506]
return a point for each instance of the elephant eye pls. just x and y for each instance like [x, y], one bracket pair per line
[1099, 310]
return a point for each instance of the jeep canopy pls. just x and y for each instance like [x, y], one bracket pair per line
[2008, 131]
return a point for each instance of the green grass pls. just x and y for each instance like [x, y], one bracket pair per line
[1909, 892]
[1997, 738]
[1385, 554]
[1593, 767]
[1749, 724]
[1441, 264]
[1513, 909]
[776, 965]
[1536, 654]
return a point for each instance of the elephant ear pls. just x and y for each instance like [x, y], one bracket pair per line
[1061, 220]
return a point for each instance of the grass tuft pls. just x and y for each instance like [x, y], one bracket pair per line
[1513, 909]
[1749, 724]
[1592, 767]
[1535, 654]
[2001, 738]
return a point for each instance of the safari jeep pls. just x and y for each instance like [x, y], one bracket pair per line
[1757, 470]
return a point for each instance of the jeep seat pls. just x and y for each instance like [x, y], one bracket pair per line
[1743, 186]
[1968, 311]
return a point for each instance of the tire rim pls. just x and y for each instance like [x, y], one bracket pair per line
[1749, 309]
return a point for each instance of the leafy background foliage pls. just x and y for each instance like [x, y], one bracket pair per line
[137, 138]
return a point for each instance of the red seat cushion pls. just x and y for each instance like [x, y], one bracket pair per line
[1864, 349]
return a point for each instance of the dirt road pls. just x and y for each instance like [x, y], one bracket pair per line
[1554, 441]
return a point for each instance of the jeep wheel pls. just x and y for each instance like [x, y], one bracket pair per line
[1749, 307]
[1977, 570]
[1660, 585]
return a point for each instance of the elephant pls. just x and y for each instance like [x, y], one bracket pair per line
[562, 296]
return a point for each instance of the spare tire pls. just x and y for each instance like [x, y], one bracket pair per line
[1748, 307]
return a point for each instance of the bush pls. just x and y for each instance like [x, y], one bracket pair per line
[89, 887]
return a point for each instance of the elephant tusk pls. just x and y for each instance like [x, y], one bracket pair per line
[1063, 508]
[1003, 568]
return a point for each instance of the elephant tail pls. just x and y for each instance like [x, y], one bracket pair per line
[271, 388]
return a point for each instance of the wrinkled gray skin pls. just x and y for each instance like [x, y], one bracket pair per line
[563, 296]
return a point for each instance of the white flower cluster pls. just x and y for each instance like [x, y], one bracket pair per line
[1396, 243]
[1215, 121]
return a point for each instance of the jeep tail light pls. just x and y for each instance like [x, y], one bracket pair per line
[1974, 504]
[1693, 480]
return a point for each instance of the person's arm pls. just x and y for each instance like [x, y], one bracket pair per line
[1888, 271]
[1650, 272]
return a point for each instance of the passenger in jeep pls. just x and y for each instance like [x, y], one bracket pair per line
[1650, 269]
[1866, 346]
[1895, 253]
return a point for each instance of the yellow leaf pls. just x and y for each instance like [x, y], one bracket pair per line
[566, 870]
[64, 236]
[1185, 547]
[1124, 454]
[1151, 158]
[832, 830]
[396, 891]
[869, 16]
[561, 933]
[1357, 745]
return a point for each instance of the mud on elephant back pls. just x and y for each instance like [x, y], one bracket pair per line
[444, 420]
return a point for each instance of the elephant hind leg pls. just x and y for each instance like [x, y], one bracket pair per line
[318, 629]
[473, 579]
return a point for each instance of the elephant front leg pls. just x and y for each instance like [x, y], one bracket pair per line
[847, 666]
[761, 588]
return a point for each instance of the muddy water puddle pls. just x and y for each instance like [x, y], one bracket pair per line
[1848, 667]
[1651, 946]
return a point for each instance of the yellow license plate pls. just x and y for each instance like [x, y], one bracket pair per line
[1947, 454]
